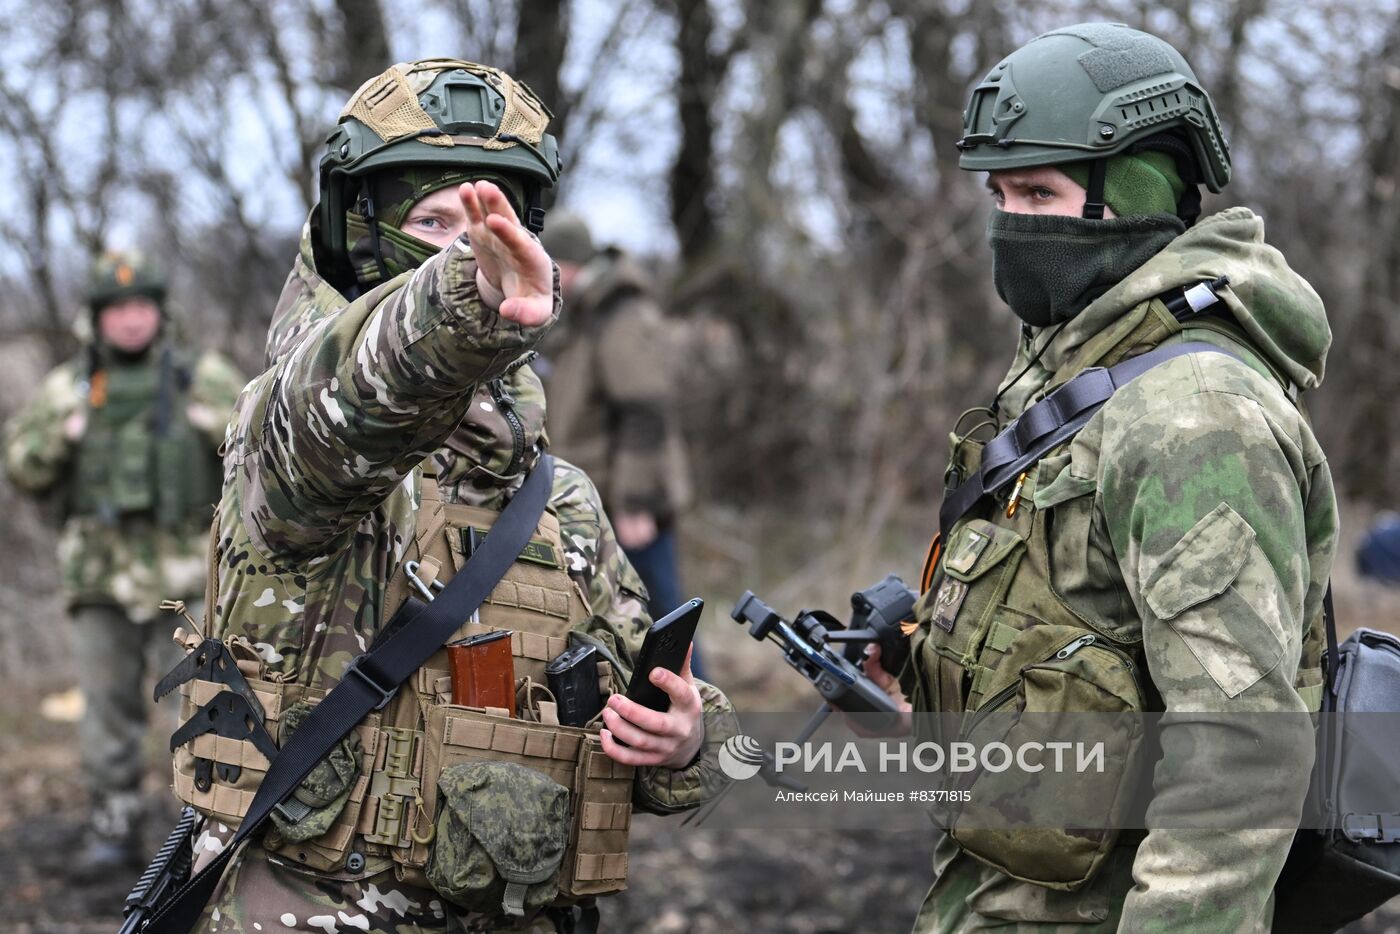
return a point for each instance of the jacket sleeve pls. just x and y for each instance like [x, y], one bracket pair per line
[213, 393]
[638, 367]
[37, 455]
[364, 395]
[1206, 498]
[620, 622]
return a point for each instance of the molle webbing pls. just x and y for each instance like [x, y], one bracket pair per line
[371, 680]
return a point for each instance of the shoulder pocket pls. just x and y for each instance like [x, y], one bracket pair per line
[1202, 565]
[1218, 592]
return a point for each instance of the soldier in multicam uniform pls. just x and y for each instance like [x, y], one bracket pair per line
[124, 438]
[610, 415]
[398, 348]
[1188, 529]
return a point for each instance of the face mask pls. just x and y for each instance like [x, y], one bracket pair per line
[1049, 268]
[401, 252]
[395, 192]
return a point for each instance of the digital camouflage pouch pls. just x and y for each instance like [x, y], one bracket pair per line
[501, 833]
[326, 787]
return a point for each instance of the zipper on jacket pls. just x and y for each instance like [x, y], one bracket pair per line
[506, 404]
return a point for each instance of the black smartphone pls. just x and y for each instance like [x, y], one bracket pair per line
[665, 646]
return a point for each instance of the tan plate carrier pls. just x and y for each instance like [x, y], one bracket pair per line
[392, 810]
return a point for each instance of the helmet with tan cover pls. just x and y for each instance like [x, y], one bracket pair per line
[444, 117]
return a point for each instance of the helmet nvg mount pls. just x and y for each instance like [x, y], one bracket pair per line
[118, 275]
[1088, 92]
[435, 112]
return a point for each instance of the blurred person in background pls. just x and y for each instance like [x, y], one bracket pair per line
[1173, 556]
[124, 440]
[612, 370]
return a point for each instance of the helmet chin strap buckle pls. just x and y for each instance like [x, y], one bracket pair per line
[1093, 203]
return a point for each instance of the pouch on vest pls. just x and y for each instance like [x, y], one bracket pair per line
[975, 572]
[595, 823]
[501, 833]
[1050, 679]
[326, 789]
[320, 840]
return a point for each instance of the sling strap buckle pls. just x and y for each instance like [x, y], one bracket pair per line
[356, 668]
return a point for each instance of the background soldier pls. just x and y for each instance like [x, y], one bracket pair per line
[1189, 528]
[612, 378]
[124, 438]
[396, 354]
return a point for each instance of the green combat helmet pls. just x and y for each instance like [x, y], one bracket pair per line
[124, 274]
[1092, 91]
[437, 115]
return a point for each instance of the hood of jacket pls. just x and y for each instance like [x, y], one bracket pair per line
[498, 439]
[1277, 308]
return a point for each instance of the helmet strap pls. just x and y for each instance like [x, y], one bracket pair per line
[534, 211]
[1189, 207]
[373, 223]
[1093, 202]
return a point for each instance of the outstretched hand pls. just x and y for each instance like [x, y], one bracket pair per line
[513, 272]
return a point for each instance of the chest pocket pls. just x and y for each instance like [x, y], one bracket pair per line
[960, 611]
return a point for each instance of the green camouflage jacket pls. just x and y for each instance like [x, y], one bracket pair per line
[128, 562]
[1192, 520]
[321, 485]
[612, 381]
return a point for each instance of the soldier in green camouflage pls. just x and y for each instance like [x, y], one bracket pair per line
[1188, 529]
[124, 439]
[400, 338]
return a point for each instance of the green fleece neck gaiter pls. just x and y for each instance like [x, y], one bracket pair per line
[1048, 268]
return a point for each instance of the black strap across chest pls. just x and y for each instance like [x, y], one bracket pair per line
[1049, 423]
[416, 631]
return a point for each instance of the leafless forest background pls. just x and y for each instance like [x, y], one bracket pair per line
[792, 160]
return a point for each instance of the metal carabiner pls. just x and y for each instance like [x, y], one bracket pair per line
[411, 569]
[425, 591]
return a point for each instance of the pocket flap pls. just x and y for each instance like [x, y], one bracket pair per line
[519, 817]
[976, 547]
[1202, 565]
[1059, 479]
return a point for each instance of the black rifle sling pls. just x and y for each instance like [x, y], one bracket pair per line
[1049, 423]
[411, 637]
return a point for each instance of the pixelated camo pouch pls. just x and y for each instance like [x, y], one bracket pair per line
[502, 829]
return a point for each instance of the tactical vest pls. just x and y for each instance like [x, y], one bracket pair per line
[139, 456]
[1013, 620]
[412, 794]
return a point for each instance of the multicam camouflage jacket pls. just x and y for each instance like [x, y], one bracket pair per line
[321, 481]
[1189, 527]
[612, 381]
[127, 560]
